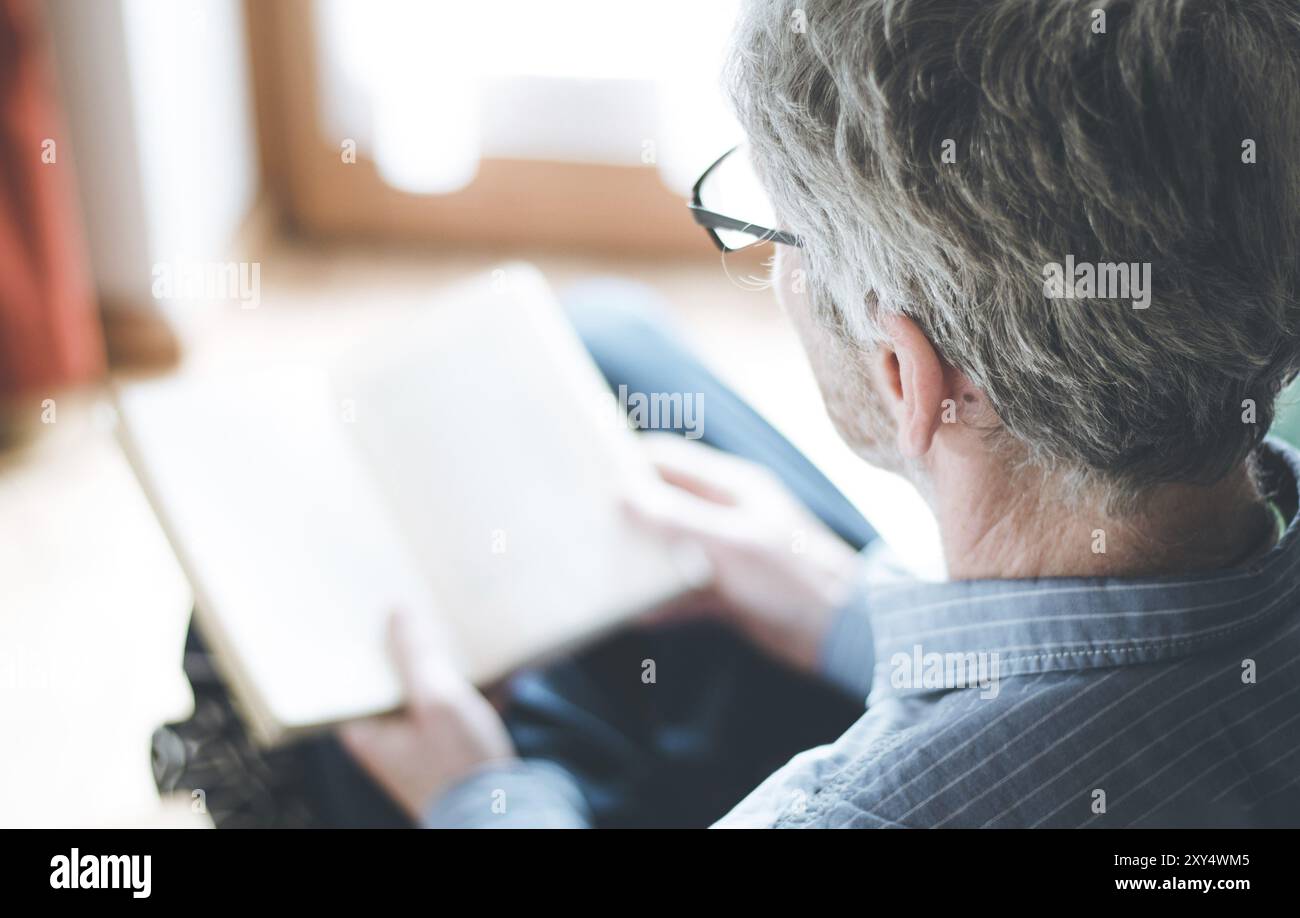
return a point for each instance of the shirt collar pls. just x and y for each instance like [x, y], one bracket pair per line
[944, 635]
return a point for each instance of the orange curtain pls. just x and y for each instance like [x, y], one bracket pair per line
[49, 332]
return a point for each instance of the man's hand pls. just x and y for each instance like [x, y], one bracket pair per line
[446, 730]
[779, 573]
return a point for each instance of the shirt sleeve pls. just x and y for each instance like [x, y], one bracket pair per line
[517, 794]
[848, 653]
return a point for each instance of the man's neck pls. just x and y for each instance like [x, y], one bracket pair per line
[996, 525]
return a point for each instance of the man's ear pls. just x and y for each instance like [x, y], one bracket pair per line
[912, 380]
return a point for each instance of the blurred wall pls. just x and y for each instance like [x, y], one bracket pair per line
[157, 96]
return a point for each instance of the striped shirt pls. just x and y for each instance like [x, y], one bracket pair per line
[1061, 702]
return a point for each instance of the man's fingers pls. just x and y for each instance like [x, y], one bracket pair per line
[363, 738]
[406, 656]
[689, 481]
[356, 735]
[689, 467]
[678, 513]
[692, 606]
[423, 667]
[703, 470]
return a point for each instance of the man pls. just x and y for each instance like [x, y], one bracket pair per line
[1042, 256]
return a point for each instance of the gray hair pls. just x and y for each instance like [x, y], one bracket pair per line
[1117, 146]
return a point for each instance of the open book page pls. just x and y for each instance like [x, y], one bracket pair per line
[293, 559]
[503, 457]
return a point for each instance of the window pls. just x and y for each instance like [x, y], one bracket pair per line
[500, 121]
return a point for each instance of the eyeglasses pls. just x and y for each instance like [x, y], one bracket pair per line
[730, 186]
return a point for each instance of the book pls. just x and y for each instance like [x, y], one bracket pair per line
[467, 465]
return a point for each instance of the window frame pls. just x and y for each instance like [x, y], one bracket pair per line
[510, 202]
